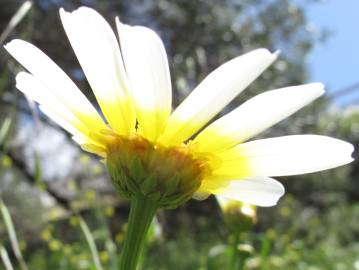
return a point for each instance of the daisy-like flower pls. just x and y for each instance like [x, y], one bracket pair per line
[154, 156]
[152, 151]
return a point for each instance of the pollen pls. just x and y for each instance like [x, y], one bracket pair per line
[168, 175]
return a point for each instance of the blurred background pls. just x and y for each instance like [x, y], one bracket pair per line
[64, 211]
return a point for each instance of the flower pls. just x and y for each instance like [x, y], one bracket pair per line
[154, 152]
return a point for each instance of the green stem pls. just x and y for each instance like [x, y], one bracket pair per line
[235, 250]
[141, 215]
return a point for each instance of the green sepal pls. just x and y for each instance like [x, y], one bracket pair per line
[171, 185]
[137, 170]
[149, 185]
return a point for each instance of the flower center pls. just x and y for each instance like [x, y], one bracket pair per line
[168, 175]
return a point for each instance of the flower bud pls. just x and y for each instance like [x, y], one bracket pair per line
[239, 216]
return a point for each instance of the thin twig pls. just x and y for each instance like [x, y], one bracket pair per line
[18, 16]
[345, 91]
[20, 165]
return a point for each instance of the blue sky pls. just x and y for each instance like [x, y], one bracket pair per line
[336, 62]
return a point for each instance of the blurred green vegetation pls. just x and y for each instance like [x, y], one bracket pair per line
[61, 201]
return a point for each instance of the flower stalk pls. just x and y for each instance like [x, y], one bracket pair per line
[235, 253]
[142, 212]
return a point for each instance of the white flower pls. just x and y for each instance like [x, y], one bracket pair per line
[131, 81]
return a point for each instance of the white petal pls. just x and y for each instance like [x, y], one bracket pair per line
[71, 126]
[36, 91]
[55, 80]
[288, 155]
[261, 191]
[218, 89]
[256, 115]
[148, 72]
[51, 106]
[79, 140]
[98, 52]
[63, 121]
